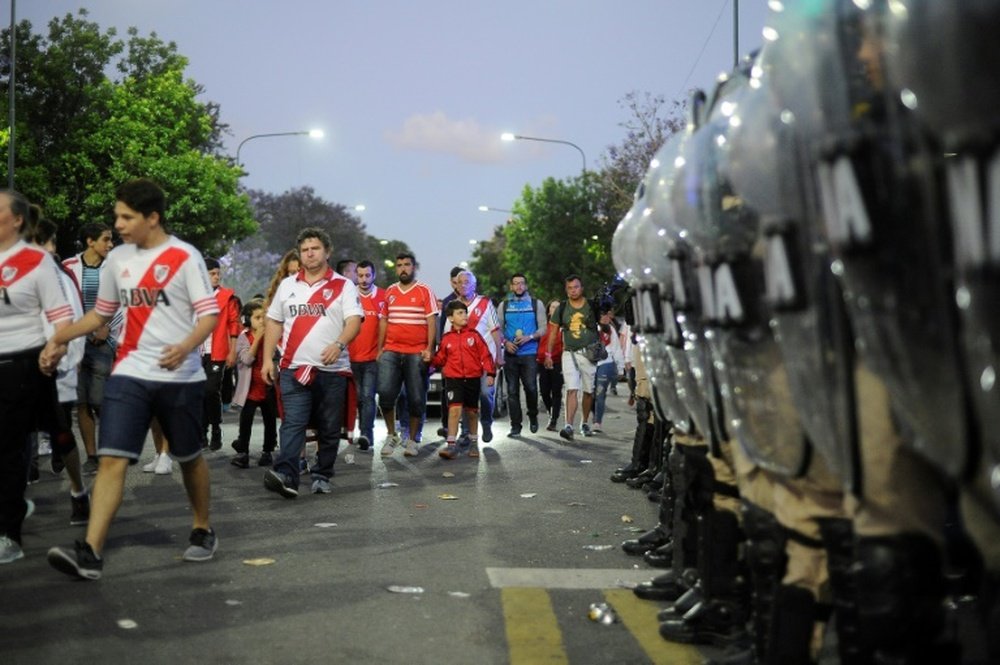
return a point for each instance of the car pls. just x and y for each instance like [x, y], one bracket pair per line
[435, 395]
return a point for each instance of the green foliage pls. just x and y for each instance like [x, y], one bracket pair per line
[565, 226]
[81, 132]
[252, 261]
[558, 230]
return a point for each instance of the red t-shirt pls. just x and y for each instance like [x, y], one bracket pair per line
[364, 347]
[407, 312]
[258, 389]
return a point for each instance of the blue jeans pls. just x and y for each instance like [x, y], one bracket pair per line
[396, 369]
[607, 374]
[366, 381]
[320, 404]
[521, 371]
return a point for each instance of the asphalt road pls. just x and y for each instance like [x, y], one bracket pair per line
[508, 568]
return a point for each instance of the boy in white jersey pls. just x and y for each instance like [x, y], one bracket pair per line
[315, 313]
[162, 284]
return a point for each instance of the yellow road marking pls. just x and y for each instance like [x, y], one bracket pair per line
[639, 616]
[533, 635]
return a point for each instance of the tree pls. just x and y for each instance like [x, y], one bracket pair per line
[556, 231]
[282, 216]
[650, 122]
[566, 226]
[487, 265]
[81, 132]
[252, 261]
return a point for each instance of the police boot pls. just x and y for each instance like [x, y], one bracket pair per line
[791, 629]
[660, 534]
[720, 618]
[838, 541]
[766, 559]
[641, 443]
[900, 593]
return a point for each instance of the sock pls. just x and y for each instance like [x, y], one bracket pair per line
[76, 495]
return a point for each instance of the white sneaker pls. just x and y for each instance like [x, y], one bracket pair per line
[411, 448]
[389, 446]
[151, 467]
[9, 550]
[44, 444]
[164, 465]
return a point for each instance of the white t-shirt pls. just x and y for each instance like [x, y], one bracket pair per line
[66, 371]
[312, 318]
[29, 287]
[484, 319]
[163, 291]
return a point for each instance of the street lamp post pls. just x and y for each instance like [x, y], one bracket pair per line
[312, 133]
[507, 136]
[492, 209]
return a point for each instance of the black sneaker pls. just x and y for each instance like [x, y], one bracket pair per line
[81, 510]
[276, 482]
[442, 431]
[553, 426]
[364, 444]
[533, 423]
[265, 459]
[487, 433]
[57, 464]
[203, 545]
[82, 562]
[567, 432]
[242, 460]
[515, 430]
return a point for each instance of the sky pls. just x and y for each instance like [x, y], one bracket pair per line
[412, 96]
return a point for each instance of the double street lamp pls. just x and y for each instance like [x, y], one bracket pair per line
[508, 136]
[312, 133]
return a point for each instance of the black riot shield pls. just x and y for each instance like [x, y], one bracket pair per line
[807, 342]
[639, 253]
[943, 60]
[724, 233]
[890, 256]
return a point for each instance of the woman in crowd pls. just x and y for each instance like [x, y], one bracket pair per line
[29, 289]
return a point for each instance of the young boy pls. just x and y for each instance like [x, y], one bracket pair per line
[162, 285]
[463, 358]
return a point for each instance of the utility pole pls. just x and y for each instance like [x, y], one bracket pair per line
[736, 32]
[10, 94]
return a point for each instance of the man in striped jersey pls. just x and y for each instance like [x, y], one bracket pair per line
[406, 339]
[315, 313]
[161, 284]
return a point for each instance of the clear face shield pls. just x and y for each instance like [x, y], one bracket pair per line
[640, 247]
[943, 66]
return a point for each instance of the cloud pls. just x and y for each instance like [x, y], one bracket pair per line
[436, 132]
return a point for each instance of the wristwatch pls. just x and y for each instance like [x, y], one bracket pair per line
[340, 344]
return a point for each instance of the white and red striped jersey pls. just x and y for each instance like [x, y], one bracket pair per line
[162, 291]
[66, 370]
[312, 318]
[483, 318]
[407, 311]
[29, 287]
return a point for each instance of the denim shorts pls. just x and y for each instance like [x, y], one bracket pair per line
[130, 405]
[94, 370]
